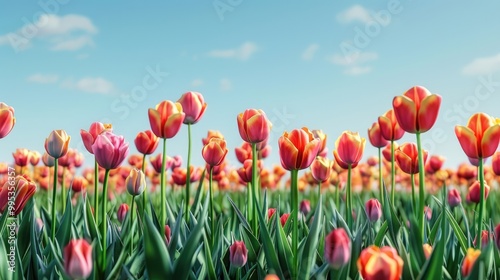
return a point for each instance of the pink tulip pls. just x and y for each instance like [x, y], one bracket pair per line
[78, 259]
[238, 254]
[89, 137]
[7, 119]
[193, 106]
[110, 150]
[337, 248]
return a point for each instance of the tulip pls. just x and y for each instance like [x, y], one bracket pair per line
[495, 163]
[407, 158]
[305, 207]
[78, 259]
[210, 134]
[238, 254]
[271, 277]
[474, 194]
[146, 142]
[7, 119]
[57, 143]
[215, 151]
[469, 260]
[78, 184]
[270, 212]
[427, 250]
[321, 169]
[417, 109]
[193, 106]
[380, 263]
[89, 137]
[480, 138]
[454, 198]
[176, 162]
[245, 172]
[485, 238]
[428, 213]
[253, 126]
[122, 212]
[166, 119]
[168, 234]
[135, 182]
[497, 236]
[323, 150]
[337, 248]
[110, 150]
[22, 188]
[21, 157]
[35, 157]
[373, 210]
[284, 218]
[389, 128]
[434, 164]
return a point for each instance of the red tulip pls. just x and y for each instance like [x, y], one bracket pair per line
[454, 198]
[245, 172]
[417, 109]
[20, 187]
[284, 218]
[305, 206]
[469, 260]
[122, 211]
[57, 143]
[375, 136]
[110, 150]
[238, 254]
[166, 119]
[7, 119]
[474, 194]
[88, 137]
[349, 149]
[386, 152]
[146, 142]
[21, 157]
[193, 106]
[253, 125]
[270, 212]
[480, 138]
[434, 164]
[373, 209]
[78, 259]
[78, 184]
[495, 163]
[376, 263]
[321, 169]
[389, 126]
[337, 248]
[168, 234]
[298, 149]
[407, 158]
[215, 151]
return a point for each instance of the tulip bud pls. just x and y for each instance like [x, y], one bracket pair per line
[78, 259]
[270, 212]
[238, 254]
[78, 184]
[193, 106]
[122, 212]
[427, 250]
[135, 182]
[469, 260]
[373, 210]
[168, 234]
[253, 125]
[374, 261]
[428, 213]
[146, 142]
[284, 218]
[474, 194]
[497, 236]
[57, 143]
[454, 198]
[305, 207]
[337, 248]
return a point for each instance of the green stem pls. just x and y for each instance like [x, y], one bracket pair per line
[414, 199]
[337, 196]
[104, 222]
[295, 218]
[145, 204]
[132, 225]
[380, 180]
[349, 198]
[421, 184]
[163, 217]
[96, 192]
[188, 176]
[63, 191]
[54, 191]
[212, 220]
[393, 174]
[255, 188]
[482, 202]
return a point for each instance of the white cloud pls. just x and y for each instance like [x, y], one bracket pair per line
[73, 44]
[243, 52]
[225, 84]
[354, 64]
[197, 82]
[89, 84]
[482, 65]
[62, 32]
[354, 13]
[309, 53]
[43, 78]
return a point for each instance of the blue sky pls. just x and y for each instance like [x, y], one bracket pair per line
[334, 66]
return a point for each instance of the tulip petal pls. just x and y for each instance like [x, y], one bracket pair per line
[310, 153]
[428, 112]
[173, 125]
[257, 128]
[155, 122]
[468, 141]
[288, 153]
[406, 113]
[489, 143]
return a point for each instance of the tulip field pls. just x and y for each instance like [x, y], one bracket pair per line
[316, 215]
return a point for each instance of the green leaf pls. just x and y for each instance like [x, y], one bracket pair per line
[309, 248]
[240, 215]
[63, 234]
[456, 228]
[208, 259]
[381, 234]
[283, 247]
[196, 203]
[158, 261]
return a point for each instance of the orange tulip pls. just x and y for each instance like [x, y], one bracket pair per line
[166, 119]
[253, 125]
[417, 109]
[7, 119]
[321, 169]
[298, 149]
[480, 138]
[22, 188]
[375, 136]
[380, 263]
[469, 260]
[389, 126]
[215, 151]
[35, 157]
[349, 149]
[427, 250]
[146, 142]
[407, 158]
